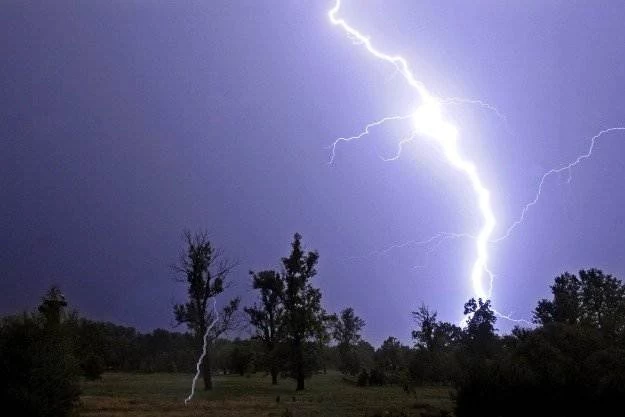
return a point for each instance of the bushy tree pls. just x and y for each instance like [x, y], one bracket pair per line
[480, 339]
[437, 344]
[267, 318]
[593, 299]
[242, 356]
[303, 315]
[346, 332]
[38, 372]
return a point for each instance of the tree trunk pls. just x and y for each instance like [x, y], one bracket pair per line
[274, 375]
[206, 373]
[300, 381]
[299, 365]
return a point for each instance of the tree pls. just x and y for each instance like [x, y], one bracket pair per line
[323, 338]
[565, 306]
[241, 356]
[434, 360]
[267, 317]
[38, 372]
[204, 270]
[480, 335]
[426, 324]
[346, 332]
[52, 306]
[594, 300]
[391, 356]
[303, 315]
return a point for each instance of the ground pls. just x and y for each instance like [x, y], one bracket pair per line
[162, 395]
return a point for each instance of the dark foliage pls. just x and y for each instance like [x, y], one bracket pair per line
[303, 315]
[573, 365]
[377, 377]
[38, 372]
[92, 368]
[363, 378]
[346, 331]
[267, 318]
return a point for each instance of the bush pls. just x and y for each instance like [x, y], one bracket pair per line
[92, 368]
[377, 377]
[363, 378]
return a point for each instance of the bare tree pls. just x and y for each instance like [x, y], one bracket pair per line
[205, 271]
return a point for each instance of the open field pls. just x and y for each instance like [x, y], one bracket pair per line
[120, 394]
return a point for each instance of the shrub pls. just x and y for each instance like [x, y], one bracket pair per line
[92, 368]
[363, 378]
[377, 377]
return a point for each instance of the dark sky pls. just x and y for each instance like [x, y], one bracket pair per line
[124, 122]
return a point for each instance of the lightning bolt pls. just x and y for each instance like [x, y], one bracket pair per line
[365, 132]
[566, 167]
[428, 121]
[204, 348]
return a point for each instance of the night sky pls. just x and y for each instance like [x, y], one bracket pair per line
[123, 123]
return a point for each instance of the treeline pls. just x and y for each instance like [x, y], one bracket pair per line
[571, 361]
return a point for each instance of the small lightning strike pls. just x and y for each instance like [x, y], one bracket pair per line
[483, 104]
[568, 167]
[204, 347]
[436, 240]
[365, 132]
[428, 121]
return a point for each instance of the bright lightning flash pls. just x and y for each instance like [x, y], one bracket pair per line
[428, 121]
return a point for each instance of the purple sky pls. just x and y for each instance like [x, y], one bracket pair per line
[122, 123]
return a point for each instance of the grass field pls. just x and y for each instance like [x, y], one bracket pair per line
[119, 394]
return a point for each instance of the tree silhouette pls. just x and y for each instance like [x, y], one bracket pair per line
[346, 332]
[204, 271]
[594, 299]
[267, 317]
[303, 315]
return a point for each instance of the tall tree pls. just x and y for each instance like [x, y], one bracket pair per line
[426, 325]
[303, 314]
[566, 303]
[593, 299]
[205, 272]
[392, 356]
[347, 334]
[267, 317]
[480, 332]
[52, 306]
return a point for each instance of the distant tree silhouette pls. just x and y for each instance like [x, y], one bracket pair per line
[268, 317]
[346, 332]
[323, 337]
[426, 325]
[52, 306]
[434, 360]
[594, 299]
[205, 271]
[242, 356]
[391, 356]
[38, 372]
[480, 337]
[303, 315]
